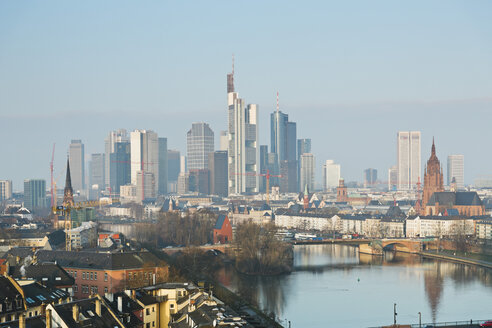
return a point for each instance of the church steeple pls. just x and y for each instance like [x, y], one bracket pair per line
[68, 192]
[433, 178]
[433, 151]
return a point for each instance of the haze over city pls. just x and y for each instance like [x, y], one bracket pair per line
[351, 74]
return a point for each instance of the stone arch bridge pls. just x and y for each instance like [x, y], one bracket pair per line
[377, 246]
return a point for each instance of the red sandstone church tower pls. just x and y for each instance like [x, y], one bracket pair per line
[433, 181]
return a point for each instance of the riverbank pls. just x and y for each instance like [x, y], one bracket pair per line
[457, 259]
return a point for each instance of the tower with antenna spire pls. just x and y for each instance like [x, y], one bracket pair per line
[230, 78]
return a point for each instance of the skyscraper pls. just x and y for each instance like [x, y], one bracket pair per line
[244, 151]
[217, 164]
[331, 175]
[303, 146]
[119, 166]
[114, 137]
[162, 183]
[200, 142]
[76, 156]
[307, 170]
[144, 157]
[408, 159]
[5, 189]
[34, 193]
[96, 172]
[224, 140]
[370, 177]
[393, 177]
[456, 169]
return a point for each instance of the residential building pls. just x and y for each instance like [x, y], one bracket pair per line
[84, 235]
[484, 229]
[110, 146]
[331, 175]
[370, 177]
[5, 189]
[162, 182]
[34, 194]
[243, 150]
[307, 170]
[77, 164]
[438, 226]
[106, 272]
[456, 170]
[217, 164]
[199, 142]
[222, 230]
[144, 156]
[408, 159]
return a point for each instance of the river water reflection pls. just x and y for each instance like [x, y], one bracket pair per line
[334, 286]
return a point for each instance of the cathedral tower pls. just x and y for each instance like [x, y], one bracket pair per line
[433, 178]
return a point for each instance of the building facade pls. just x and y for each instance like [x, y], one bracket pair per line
[162, 182]
[110, 147]
[34, 193]
[144, 155]
[456, 170]
[199, 142]
[408, 159]
[370, 177]
[119, 166]
[217, 164]
[77, 165]
[5, 189]
[307, 170]
[331, 175]
[243, 150]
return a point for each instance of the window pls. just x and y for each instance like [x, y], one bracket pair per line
[105, 276]
[75, 288]
[153, 309]
[129, 276]
[83, 275]
[92, 276]
[75, 274]
[105, 289]
[153, 323]
[171, 306]
[147, 311]
[95, 275]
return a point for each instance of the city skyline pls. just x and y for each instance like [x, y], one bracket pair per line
[321, 83]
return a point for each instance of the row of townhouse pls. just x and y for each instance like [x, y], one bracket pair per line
[387, 227]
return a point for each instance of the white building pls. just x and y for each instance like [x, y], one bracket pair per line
[307, 171]
[331, 175]
[456, 170]
[408, 159]
[77, 165]
[144, 155]
[128, 193]
[484, 229]
[83, 236]
[243, 150]
[5, 189]
[438, 226]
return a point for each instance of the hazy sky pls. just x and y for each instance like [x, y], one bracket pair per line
[351, 73]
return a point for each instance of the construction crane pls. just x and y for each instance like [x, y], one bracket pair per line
[66, 210]
[267, 175]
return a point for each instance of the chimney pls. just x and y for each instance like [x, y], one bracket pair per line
[120, 304]
[22, 321]
[75, 312]
[48, 318]
[98, 307]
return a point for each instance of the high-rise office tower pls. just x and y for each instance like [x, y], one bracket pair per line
[114, 137]
[456, 170]
[331, 175]
[162, 183]
[307, 170]
[96, 171]
[244, 150]
[393, 177]
[119, 166]
[34, 193]
[76, 156]
[5, 189]
[145, 186]
[199, 143]
[217, 164]
[173, 165]
[199, 181]
[224, 140]
[144, 157]
[263, 166]
[370, 177]
[408, 159]
[303, 146]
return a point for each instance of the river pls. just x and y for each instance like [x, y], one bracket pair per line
[335, 286]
